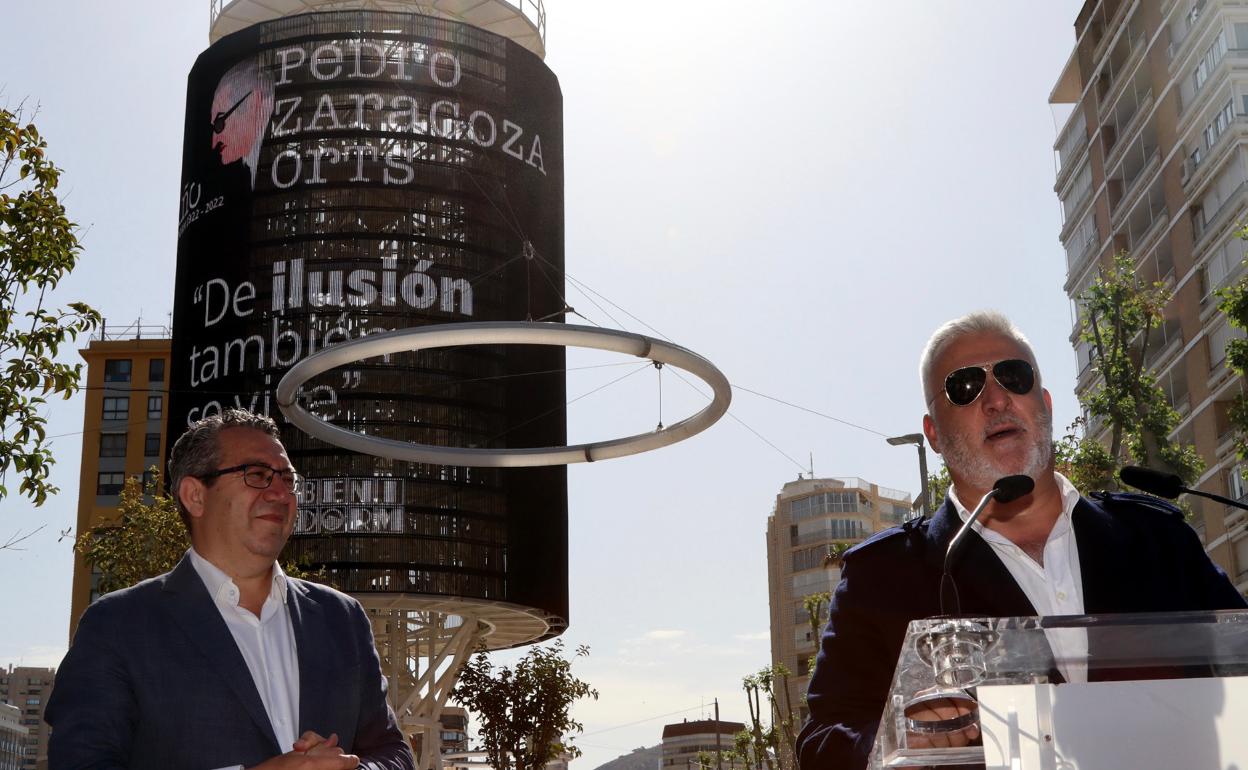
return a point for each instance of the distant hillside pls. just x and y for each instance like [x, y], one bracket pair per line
[640, 759]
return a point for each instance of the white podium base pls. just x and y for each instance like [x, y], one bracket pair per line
[1190, 724]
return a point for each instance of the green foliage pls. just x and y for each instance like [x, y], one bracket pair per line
[145, 539]
[1087, 463]
[758, 745]
[38, 246]
[815, 604]
[524, 711]
[1233, 302]
[1117, 314]
[938, 486]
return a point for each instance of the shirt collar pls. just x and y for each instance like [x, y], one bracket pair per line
[222, 588]
[1070, 497]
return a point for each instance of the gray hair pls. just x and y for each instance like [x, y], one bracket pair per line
[977, 322]
[198, 450]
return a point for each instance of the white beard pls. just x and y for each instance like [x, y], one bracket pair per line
[981, 472]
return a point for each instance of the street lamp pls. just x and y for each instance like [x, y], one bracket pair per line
[917, 440]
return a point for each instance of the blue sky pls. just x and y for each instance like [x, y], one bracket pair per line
[800, 191]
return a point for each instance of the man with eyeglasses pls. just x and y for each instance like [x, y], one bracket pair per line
[1049, 552]
[225, 662]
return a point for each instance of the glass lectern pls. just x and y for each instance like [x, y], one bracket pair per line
[1152, 690]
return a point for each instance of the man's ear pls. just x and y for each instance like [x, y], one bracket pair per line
[191, 492]
[1048, 399]
[929, 430]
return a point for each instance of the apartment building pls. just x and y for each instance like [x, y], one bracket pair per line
[12, 738]
[1154, 160]
[810, 517]
[123, 430]
[27, 689]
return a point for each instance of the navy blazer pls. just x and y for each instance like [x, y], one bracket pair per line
[154, 680]
[1136, 554]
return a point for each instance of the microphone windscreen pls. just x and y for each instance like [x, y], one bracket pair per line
[1010, 488]
[1153, 482]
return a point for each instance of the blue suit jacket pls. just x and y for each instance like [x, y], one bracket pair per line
[154, 679]
[1136, 554]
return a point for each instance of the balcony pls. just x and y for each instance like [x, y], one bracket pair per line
[1197, 173]
[1127, 121]
[1194, 104]
[1075, 259]
[1205, 226]
[1190, 21]
[1124, 190]
[1071, 146]
[1127, 54]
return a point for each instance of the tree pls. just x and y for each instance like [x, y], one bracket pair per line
[759, 743]
[1233, 302]
[143, 540]
[938, 485]
[1118, 314]
[38, 246]
[524, 711]
[1085, 461]
[146, 538]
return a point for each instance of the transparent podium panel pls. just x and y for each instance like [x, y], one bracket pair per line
[963, 684]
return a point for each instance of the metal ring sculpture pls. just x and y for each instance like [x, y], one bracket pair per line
[506, 333]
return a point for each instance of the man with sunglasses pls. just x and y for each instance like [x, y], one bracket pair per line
[1050, 552]
[225, 662]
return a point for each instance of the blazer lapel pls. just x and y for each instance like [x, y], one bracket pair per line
[985, 586]
[194, 611]
[312, 637]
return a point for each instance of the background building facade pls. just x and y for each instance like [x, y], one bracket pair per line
[686, 743]
[12, 738]
[810, 517]
[1154, 160]
[27, 689]
[123, 430]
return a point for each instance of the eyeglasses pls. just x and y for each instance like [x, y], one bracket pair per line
[963, 386]
[218, 121]
[258, 476]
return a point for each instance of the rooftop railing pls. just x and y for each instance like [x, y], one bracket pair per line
[533, 10]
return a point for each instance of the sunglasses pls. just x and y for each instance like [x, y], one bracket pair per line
[964, 385]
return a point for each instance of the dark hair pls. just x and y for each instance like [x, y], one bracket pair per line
[198, 450]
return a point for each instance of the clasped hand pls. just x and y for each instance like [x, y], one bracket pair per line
[313, 752]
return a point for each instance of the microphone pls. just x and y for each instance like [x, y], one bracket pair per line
[1005, 490]
[1011, 488]
[1166, 485]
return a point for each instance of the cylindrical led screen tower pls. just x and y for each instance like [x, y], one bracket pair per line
[353, 172]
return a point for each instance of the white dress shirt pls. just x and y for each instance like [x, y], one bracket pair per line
[1054, 588]
[267, 644]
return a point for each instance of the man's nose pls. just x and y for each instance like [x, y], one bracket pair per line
[994, 398]
[278, 491]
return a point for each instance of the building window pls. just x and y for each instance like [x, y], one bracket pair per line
[112, 445]
[155, 407]
[116, 408]
[151, 445]
[117, 370]
[156, 370]
[148, 477]
[1235, 482]
[1209, 61]
[110, 483]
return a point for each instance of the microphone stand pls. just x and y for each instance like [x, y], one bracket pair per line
[953, 544]
[1219, 498]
